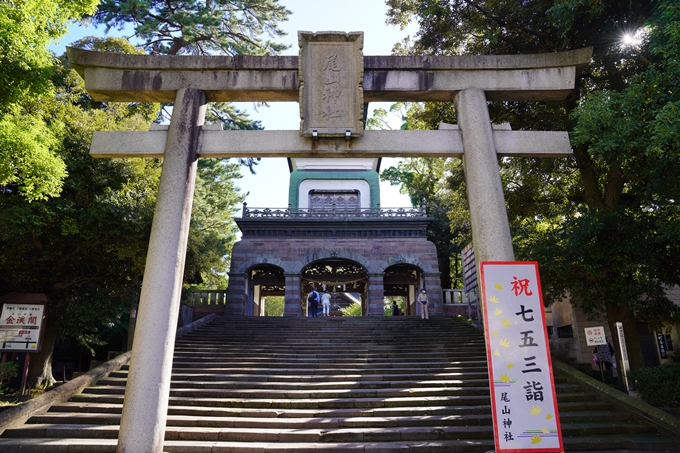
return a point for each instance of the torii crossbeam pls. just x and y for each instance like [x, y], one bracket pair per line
[331, 64]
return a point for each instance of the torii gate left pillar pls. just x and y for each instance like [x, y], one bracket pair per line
[148, 386]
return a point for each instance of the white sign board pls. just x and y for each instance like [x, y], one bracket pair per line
[523, 401]
[595, 336]
[625, 366]
[20, 326]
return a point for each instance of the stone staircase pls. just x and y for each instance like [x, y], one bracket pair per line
[325, 385]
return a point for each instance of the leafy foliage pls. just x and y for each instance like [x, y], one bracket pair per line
[86, 248]
[659, 386]
[8, 370]
[352, 310]
[200, 28]
[436, 184]
[604, 224]
[274, 305]
[28, 162]
[213, 231]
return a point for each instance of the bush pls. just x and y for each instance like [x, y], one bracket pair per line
[352, 310]
[7, 370]
[659, 386]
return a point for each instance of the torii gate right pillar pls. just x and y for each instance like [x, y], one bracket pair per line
[489, 218]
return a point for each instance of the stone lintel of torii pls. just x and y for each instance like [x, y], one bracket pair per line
[445, 142]
[332, 80]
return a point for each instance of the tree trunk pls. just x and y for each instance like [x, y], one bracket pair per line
[445, 269]
[40, 369]
[624, 315]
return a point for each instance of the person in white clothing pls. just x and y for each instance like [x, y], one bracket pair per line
[422, 298]
[326, 302]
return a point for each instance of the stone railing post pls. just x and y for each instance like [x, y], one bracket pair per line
[142, 426]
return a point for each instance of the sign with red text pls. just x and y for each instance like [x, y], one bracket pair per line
[595, 336]
[21, 327]
[523, 401]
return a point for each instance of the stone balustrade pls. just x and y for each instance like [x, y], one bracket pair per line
[333, 212]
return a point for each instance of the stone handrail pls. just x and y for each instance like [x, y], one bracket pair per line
[333, 212]
[459, 296]
[20, 414]
[664, 422]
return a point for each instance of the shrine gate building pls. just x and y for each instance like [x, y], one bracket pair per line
[333, 235]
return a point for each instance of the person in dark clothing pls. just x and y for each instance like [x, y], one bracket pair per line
[604, 354]
[314, 302]
[395, 308]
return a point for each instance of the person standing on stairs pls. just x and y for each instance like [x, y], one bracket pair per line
[422, 298]
[395, 308]
[326, 302]
[313, 300]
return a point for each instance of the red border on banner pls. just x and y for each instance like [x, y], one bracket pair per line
[487, 336]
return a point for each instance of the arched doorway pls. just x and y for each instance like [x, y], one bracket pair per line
[264, 281]
[345, 280]
[403, 281]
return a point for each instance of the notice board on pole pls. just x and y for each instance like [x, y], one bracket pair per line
[523, 401]
[22, 327]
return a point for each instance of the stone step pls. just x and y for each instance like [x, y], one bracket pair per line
[219, 411]
[318, 389]
[328, 433]
[330, 367]
[337, 357]
[201, 392]
[338, 363]
[340, 420]
[587, 405]
[369, 385]
[322, 403]
[434, 367]
[275, 384]
[283, 378]
[304, 403]
[614, 443]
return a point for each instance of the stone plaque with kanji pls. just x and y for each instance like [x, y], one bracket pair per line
[331, 78]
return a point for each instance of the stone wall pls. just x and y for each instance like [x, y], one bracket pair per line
[292, 254]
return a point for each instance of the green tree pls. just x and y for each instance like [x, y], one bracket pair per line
[603, 224]
[274, 305]
[175, 27]
[28, 162]
[352, 310]
[433, 183]
[226, 27]
[213, 231]
[427, 184]
[86, 248]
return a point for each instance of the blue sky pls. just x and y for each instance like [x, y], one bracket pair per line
[269, 186]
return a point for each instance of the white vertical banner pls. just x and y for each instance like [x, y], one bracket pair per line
[523, 401]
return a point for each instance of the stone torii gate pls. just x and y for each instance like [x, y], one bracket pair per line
[331, 79]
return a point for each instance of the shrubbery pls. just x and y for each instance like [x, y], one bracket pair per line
[659, 386]
[7, 370]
